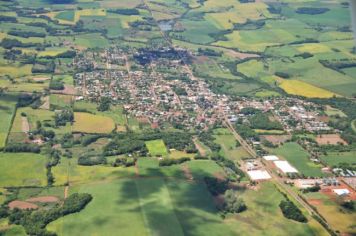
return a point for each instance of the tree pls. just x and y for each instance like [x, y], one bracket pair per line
[232, 203]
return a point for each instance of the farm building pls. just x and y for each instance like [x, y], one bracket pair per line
[285, 167]
[271, 158]
[258, 175]
[341, 192]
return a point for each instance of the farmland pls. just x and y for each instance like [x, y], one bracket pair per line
[7, 110]
[156, 148]
[30, 169]
[88, 123]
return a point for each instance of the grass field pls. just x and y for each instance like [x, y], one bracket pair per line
[156, 147]
[89, 123]
[22, 169]
[230, 149]
[60, 101]
[335, 158]
[7, 111]
[298, 158]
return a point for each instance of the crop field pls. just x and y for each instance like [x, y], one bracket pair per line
[7, 112]
[298, 158]
[30, 169]
[296, 87]
[89, 123]
[68, 171]
[156, 147]
[60, 101]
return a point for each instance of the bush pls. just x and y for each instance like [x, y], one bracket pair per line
[91, 160]
[22, 147]
[56, 85]
[233, 204]
[216, 186]
[169, 162]
[291, 211]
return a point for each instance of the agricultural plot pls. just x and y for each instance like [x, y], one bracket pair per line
[60, 101]
[89, 123]
[22, 169]
[69, 171]
[296, 87]
[7, 112]
[298, 158]
[156, 147]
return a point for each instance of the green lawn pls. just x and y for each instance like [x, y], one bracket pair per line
[22, 169]
[298, 158]
[156, 147]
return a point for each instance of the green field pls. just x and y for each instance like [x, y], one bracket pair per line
[22, 169]
[298, 158]
[156, 147]
[89, 123]
[335, 158]
[7, 112]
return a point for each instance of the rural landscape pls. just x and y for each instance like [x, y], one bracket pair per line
[177, 117]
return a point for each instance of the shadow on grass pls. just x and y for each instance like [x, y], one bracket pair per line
[172, 205]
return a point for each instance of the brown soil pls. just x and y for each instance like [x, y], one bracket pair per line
[43, 199]
[68, 89]
[66, 191]
[315, 202]
[276, 139]
[187, 172]
[25, 125]
[200, 148]
[332, 139]
[22, 205]
[38, 79]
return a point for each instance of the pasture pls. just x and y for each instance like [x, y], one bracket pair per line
[89, 123]
[156, 147]
[22, 169]
[298, 158]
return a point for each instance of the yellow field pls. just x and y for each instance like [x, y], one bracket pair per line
[300, 88]
[89, 123]
[235, 41]
[77, 15]
[314, 48]
[51, 52]
[15, 71]
[240, 13]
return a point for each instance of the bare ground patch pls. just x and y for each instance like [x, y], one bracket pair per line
[43, 199]
[25, 126]
[22, 205]
[333, 139]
